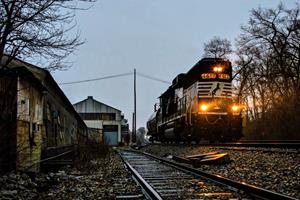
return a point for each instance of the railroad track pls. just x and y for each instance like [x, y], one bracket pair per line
[248, 143]
[164, 179]
[263, 144]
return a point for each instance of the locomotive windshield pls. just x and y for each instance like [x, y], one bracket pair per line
[219, 71]
[209, 70]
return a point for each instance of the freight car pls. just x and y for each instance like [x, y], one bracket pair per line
[199, 105]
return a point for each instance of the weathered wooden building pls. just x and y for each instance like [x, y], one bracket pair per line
[35, 118]
[105, 123]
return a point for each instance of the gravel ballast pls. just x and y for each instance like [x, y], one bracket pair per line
[107, 178]
[102, 178]
[279, 172]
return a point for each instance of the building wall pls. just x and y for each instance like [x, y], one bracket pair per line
[96, 134]
[8, 106]
[92, 106]
[100, 124]
[60, 124]
[29, 126]
[35, 117]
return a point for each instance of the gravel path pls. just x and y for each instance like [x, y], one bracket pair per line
[278, 172]
[104, 178]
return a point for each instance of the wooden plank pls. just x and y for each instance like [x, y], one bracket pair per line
[181, 159]
[207, 158]
[216, 159]
[201, 155]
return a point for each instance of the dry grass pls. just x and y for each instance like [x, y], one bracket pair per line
[89, 151]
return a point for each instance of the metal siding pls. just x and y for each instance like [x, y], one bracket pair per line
[90, 105]
[117, 123]
[94, 124]
[111, 138]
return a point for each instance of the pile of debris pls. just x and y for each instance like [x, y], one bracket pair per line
[204, 158]
[102, 178]
[16, 185]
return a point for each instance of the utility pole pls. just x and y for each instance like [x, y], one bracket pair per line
[134, 116]
[132, 132]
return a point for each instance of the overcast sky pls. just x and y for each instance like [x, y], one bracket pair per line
[160, 38]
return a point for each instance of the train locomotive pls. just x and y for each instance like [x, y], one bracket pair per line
[198, 106]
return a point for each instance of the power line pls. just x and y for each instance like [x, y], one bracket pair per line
[153, 78]
[97, 79]
[116, 76]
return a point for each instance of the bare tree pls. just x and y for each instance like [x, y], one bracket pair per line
[269, 63]
[39, 30]
[36, 30]
[217, 48]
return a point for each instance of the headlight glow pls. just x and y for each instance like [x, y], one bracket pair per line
[203, 107]
[218, 69]
[235, 108]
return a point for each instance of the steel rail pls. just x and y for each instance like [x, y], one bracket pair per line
[150, 192]
[236, 186]
[265, 144]
[269, 141]
[269, 144]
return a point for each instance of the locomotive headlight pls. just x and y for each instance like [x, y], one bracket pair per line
[235, 108]
[218, 69]
[203, 107]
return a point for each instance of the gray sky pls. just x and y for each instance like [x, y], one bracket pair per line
[160, 38]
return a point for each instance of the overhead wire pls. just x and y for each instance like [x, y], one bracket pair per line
[153, 78]
[97, 79]
[116, 76]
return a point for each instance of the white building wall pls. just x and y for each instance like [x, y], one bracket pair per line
[90, 105]
[94, 124]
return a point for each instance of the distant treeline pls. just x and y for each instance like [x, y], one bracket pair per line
[268, 73]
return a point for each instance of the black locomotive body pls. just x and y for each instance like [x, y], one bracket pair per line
[198, 106]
